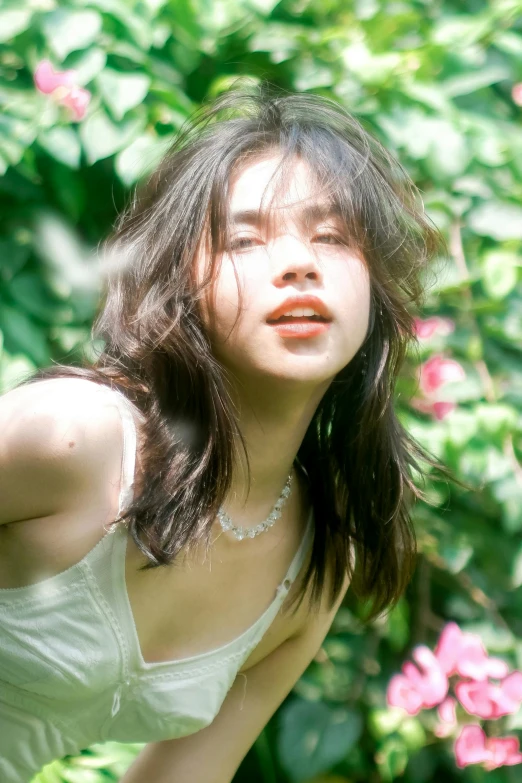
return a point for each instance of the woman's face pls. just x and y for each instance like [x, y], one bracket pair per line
[300, 257]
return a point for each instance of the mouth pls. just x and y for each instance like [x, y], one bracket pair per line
[289, 319]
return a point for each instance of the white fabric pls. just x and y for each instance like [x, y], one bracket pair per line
[71, 670]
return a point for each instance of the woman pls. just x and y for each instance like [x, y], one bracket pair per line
[237, 429]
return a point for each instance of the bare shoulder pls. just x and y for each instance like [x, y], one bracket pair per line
[58, 436]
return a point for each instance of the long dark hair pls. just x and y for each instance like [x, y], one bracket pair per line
[356, 455]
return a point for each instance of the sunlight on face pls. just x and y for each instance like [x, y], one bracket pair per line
[299, 256]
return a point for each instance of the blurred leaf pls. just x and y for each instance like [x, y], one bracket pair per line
[460, 30]
[22, 335]
[392, 758]
[14, 369]
[87, 64]
[101, 137]
[140, 158]
[464, 83]
[314, 737]
[13, 256]
[29, 293]
[495, 638]
[456, 555]
[63, 144]
[509, 42]
[122, 91]
[516, 568]
[502, 221]
[67, 29]
[398, 626]
[499, 273]
[412, 732]
[13, 22]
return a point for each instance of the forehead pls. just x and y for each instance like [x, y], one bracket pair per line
[253, 183]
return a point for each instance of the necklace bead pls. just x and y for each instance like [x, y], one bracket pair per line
[244, 532]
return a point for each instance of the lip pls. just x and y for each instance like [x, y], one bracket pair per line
[301, 329]
[307, 300]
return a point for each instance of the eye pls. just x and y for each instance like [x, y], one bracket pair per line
[329, 236]
[237, 243]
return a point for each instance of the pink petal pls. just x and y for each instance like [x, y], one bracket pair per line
[47, 80]
[437, 371]
[473, 659]
[424, 329]
[470, 746]
[477, 698]
[516, 94]
[504, 752]
[401, 693]
[442, 409]
[512, 686]
[447, 648]
[77, 100]
[447, 710]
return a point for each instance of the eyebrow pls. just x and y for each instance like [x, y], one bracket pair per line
[311, 212]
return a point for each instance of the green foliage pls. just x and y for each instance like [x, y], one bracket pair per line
[434, 82]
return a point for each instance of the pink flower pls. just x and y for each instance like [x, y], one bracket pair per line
[463, 653]
[426, 328]
[62, 87]
[434, 374]
[504, 752]
[516, 94]
[472, 746]
[413, 690]
[490, 701]
[77, 100]
[438, 371]
[47, 80]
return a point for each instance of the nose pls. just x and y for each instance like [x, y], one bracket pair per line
[293, 260]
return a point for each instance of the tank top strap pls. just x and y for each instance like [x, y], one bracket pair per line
[128, 461]
[299, 557]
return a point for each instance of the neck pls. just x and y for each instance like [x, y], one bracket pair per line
[273, 425]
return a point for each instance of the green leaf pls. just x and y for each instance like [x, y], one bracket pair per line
[29, 293]
[456, 554]
[63, 144]
[370, 68]
[13, 257]
[499, 275]
[13, 370]
[516, 568]
[101, 137]
[263, 6]
[22, 335]
[460, 30]
[122, 91]
[67, 30]
[314, 736]
[465, 83]
[13, 22]
[140, 158]
[413, 734]
[497, 219]
[392, 759]
[87, 64]
[398, 626]
[509, 42]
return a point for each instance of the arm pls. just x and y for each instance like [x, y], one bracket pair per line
[213, 754]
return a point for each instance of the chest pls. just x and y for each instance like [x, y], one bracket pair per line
[199, 603]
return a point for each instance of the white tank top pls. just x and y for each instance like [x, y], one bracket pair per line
[71, 669]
